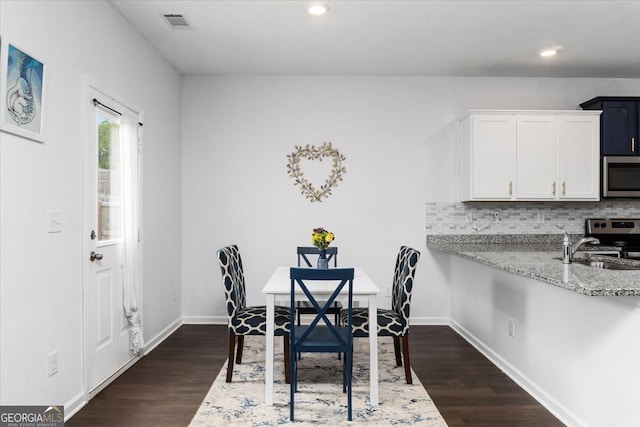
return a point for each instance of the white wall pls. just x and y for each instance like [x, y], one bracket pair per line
[236, 137]
[41, 274]
[399, 136]
[577, 354]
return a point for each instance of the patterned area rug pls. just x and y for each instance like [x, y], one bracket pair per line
[319, 400]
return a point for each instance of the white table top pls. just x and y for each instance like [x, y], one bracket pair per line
[280, 283]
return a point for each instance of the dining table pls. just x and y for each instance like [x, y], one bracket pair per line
[278, 288]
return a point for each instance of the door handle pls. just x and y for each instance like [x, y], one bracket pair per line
[554, 188]
[633, 145]
[94, 256]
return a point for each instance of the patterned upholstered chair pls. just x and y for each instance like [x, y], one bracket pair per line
[243, 320]
[395, 322]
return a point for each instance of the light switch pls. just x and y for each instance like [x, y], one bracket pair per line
[55, 222]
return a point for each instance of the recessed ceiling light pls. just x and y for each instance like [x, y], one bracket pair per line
[317, 9]
[549, 52]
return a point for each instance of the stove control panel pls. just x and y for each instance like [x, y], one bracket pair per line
[603, 226]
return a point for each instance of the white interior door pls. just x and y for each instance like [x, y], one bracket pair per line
[108, 330]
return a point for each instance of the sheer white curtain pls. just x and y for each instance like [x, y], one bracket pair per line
[130, 197]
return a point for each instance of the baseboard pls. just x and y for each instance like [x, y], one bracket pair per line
[552, 405]
[73, 406]
[205, 320]
[163, 335]
[430, 321]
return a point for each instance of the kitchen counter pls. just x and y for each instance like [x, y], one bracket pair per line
[538, 257]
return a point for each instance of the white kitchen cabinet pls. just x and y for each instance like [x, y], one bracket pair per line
[530, 155]
[579, 157]
[488, 157]
[536, 156]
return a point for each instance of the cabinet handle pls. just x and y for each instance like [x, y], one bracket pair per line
[511, 188]
[633, 144]
[564, 188]
[553, 188]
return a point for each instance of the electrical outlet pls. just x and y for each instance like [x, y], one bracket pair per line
[173, 294]
[388, 291]
[469, 217]
[540, 217]
[511, 328]
[53, 363]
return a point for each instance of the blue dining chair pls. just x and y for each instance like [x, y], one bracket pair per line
[395, 322]
[304, 252]
[243, 320]
[321, 335]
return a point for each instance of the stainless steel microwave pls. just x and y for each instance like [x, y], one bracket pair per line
[621, 176]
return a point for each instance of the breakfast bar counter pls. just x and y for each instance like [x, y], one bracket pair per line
[564, 333]
[538, 257]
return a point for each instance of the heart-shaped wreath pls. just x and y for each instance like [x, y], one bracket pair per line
[316, 153]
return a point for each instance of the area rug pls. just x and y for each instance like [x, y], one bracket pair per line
[319, 400]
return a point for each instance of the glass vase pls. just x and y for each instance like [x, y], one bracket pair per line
[323, 262]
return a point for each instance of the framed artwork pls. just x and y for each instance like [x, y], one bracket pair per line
[22, 93]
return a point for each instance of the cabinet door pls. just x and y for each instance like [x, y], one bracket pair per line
[493, 156]
[536, 157]
[619, 128]
[579, 157]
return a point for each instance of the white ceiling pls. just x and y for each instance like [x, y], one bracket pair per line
[396, 37]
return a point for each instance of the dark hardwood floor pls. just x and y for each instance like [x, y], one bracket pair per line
[166, 387]
[467, 389]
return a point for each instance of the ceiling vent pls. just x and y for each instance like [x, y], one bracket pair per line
[176, 20]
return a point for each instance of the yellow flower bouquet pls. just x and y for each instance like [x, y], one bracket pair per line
[321, 238]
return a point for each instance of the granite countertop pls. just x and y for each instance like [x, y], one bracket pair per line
[538, 257]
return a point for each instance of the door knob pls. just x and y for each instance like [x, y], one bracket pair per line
[94, 256]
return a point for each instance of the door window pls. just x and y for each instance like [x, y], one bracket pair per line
[109, 178]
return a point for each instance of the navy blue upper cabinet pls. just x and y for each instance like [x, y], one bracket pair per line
[620, 124]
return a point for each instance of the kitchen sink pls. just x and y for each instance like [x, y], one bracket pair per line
[605, 264]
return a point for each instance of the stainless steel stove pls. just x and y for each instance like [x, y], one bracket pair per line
[621, 233]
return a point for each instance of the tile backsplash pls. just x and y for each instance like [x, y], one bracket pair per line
[521, 217]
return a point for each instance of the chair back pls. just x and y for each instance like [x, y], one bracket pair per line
[301, 280]
[304, 251]
[232, 278]
[403, 284]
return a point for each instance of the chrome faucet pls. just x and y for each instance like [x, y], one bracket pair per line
[567, 251]
[581, 242]
[566, 247]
